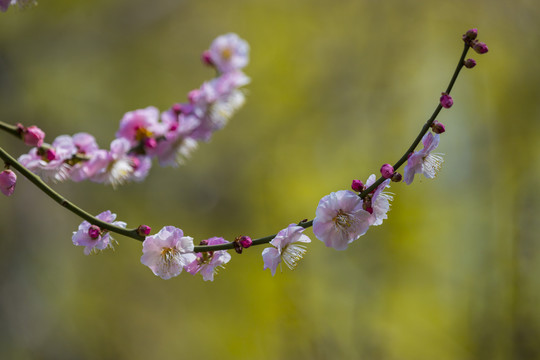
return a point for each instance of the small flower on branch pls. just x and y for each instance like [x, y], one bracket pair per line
[285, 248]
[422, 161]
[209, 263]
[94, 238]
[340, 219]
[168, 252]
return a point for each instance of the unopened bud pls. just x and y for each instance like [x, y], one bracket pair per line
[245, 241]
[50, 154]
[94, 231]
[206, 58]
[437, 127]
[357, 185]
[150, 143]
[177, 108]
[8, 179]
[387, 171]
[446, 101]
[470, 35]
[203, 242]
[479, 47]
[33, 136]
[144, 230]
[397, 177]
[469, 63]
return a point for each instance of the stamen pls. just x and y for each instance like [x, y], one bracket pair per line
[292, 254]
[432, 164]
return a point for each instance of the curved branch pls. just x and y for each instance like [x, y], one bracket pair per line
[132, 233]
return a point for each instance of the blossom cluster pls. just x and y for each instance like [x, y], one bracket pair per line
[144, 134]
[341, 217]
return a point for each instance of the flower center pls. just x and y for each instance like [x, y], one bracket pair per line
[168, 255]
[142, 133]
[342, 219]
[226, 53]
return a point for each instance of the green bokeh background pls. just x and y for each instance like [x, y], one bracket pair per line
[338, 88]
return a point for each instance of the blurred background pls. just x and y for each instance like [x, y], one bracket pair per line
[338, 88]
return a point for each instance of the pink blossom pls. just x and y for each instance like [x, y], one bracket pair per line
[340, 219]
[117, 166]
[285, 248]
[176, 144]
[422, 162]
[86, 234]
[167, 252]
[51, 164]
[216, 101]
[228, 53]
[88, 159]
[8, 179]
[379, 201]
[209, 263]
[138, 125]
[33, 136]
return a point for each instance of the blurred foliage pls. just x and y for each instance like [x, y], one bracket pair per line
[338, 88]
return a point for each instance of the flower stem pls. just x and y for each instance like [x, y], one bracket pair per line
[10, 129]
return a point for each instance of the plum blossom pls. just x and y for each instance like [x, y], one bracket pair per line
[50, 163]
[139, 125]
[216, 101]
[117, 166]
[340, 219]
[422, 162]
[379, 201]
[209, 263]
[228, 53]
[92, 237]
[285, 248]
[167, 252]
[176, 143]
[8, 179]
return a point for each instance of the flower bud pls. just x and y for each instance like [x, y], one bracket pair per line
[194, 95]
[50, 154]
[357, 185]
[94, 232]
[206, 58]
[245, 241]
[437, 127]
[469, 63]
[33, 136]
[397, 177]
[479, 47]
[150, 143]
[8, 180]
[387, 171]
[144, 230]
[446, 101]
[177, 108]
[470, 35]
